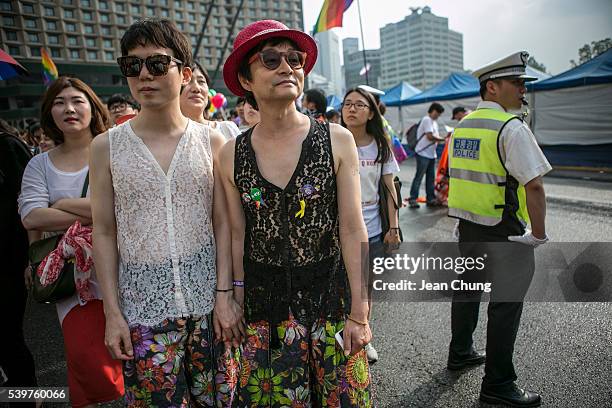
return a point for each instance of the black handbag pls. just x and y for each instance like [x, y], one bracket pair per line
[63, 286]
[383, 200]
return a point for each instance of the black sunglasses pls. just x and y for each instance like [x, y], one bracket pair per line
[157, 64]
[271, 59]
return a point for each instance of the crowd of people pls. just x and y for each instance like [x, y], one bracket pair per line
[226, 253]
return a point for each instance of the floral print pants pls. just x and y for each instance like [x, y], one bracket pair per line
[308, 370]
[174, 365]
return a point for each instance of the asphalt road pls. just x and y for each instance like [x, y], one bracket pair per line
[563, 351]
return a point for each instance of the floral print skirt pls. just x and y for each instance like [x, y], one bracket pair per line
[309, 369]
[176, 364]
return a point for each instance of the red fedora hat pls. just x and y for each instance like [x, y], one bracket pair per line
[251, 36]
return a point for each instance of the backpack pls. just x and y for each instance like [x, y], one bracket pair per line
[411, 136]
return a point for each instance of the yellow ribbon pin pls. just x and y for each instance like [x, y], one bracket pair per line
[300, 213]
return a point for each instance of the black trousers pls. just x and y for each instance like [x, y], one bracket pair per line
[15, 357]
[509, 268]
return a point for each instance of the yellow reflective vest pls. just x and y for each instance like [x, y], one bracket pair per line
[480, 186]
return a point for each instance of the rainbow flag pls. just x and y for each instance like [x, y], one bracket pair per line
[331, 15]
[50, 73]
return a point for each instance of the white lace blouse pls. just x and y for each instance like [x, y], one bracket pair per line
[164, 226]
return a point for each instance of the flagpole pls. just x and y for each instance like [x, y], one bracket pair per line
[365, 61]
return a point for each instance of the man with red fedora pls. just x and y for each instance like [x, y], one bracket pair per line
[293, 193]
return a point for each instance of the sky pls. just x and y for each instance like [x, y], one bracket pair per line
[551, 31]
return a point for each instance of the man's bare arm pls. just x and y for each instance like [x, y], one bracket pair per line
[105, 254]
[536, 207]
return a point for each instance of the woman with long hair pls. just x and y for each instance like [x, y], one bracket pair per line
[51, 201]
[361, 116]
[195, 103]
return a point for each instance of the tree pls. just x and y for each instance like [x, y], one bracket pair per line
[536, 65]
[588, 52]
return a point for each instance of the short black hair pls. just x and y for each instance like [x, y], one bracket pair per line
[330, 114]
[240, 101]
[121, 98]
[317, 96]
[435, 107]
[159, 32]
[244, 69]
[457, 110]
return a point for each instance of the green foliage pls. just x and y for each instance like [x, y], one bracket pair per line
[588, 52]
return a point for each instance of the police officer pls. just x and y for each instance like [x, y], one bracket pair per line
[496, 192]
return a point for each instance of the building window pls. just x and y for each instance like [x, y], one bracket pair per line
[135, 8]
[68, 13]
[87, 16]
[177, 4]
[108, 43]
[29, 23]
[51, 25]
[35, 51]
[190, 5]
[13, 50]
[192, 17]
[180, 26]
[178, 14]
[53, 39]
[33, 37]
[85, 3]
[163, 3]
[193, 27]
[11, 36]
[49, 11]
[120, 19]
[88, 29]
[8, 21]
[6, 6]
[73, 41]
[71, 27]
[56, 53]
[105, 18]
[92, 55]
[102, 5]
[109, 55]
[75, 54]
[165, 13]
[28, 8]
[90, 42]
[150, 11]
[67, 2]
[106, 30]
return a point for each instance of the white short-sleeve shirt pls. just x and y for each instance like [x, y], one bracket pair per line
[369, 177]
[426, 147]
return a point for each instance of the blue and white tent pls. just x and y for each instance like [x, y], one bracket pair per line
[575, 107]
[399, 94]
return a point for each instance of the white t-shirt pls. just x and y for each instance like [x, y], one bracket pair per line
[369, 177]
[426, 147]
[227, 129]
[42, 185]
[519, 149]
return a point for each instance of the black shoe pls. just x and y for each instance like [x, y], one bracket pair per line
[511, 396]
[434, 203]
[475, 358]
[413, 203]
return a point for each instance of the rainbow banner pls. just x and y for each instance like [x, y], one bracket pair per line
[331, 15]
[50, 73]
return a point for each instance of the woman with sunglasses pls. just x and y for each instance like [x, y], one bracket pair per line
[195, 103]
[53, 182]
[361, 116]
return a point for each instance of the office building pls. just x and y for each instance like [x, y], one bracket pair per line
[420, 49]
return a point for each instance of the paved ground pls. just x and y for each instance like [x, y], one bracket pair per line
[564, 350]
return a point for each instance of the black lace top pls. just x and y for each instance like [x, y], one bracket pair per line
[292, 258]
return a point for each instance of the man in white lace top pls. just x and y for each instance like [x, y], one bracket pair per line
[161, 241]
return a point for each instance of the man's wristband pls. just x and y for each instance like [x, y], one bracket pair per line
[238, 283]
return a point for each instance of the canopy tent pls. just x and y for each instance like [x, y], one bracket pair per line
[574, 108]
[593, 72]
[399, 94]
[458, 89]
[334, 102]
